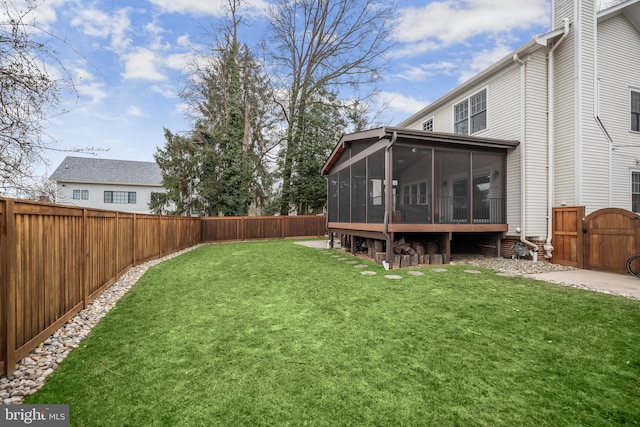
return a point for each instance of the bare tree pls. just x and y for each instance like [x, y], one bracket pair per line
[320, 46]
[28, 91]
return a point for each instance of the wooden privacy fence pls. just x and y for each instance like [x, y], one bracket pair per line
[229, 228]
[602, 240]
[54, 260]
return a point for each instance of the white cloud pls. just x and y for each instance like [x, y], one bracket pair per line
[454, 21]
[45, 14]
[143, 64]
[86, 85]
[400, 103]
[483, 60]
[93, 90]
[134, 111]
[97, 23]
[184, 41]
[215, 8]
[420, 72]
[179, 61]
[165, 90]
[182, 108]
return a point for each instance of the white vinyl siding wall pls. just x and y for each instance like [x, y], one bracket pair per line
[618, 56]
[564, 137]
[593, 158]
[96, 196]
[536, 146]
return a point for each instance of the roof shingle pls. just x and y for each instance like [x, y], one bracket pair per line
[91, 170]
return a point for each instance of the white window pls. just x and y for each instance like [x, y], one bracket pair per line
[479, 111]
[470, 115]
[461, 118]
[635, 192]
[415, 193]
[428, 125]
[80, 194]
[126, 197]
[635, 111]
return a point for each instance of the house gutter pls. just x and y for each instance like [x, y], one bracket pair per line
[388, 197]
[523, 144]
[548, 247]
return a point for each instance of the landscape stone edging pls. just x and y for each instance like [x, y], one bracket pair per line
[44, 360]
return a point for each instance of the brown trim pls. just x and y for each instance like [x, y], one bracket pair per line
[417, 228]
[412, 135]
[374, 148]
[355, 226]
[442, 228]
[360, 233]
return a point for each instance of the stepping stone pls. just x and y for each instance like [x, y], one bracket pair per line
[504, 274]
[473, 271]
[361, 266]
[368, 273]
[393, 276]
[342, 259]
[335, 256]
[440, 270]
[326, 253]
[415, 273]
[352, 262]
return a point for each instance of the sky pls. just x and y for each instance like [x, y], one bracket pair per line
[128, 58]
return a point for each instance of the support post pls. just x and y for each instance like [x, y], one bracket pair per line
[10, 288]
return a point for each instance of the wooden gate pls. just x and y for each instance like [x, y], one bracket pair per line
[611, 236]
[567, 236]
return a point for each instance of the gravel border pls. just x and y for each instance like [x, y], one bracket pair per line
[41, 362]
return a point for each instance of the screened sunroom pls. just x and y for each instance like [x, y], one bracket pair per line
[439, 183]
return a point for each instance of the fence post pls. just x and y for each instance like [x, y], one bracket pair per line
[134, 230]
[10, 288]
[161, 240]
[85, 256]
[117, 248]
[283, 226]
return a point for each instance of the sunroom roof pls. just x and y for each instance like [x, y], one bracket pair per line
[411, 135]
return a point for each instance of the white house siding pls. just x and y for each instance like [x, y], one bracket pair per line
[593, 172]
[536, 146]
[96, 196]
[561, 9]
[504, 121]
[618, 59]
[564, 136]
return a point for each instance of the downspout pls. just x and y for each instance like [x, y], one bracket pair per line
[548, 247]
[523, 139]
[388, 203]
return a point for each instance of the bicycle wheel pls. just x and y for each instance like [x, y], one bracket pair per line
[633, 266]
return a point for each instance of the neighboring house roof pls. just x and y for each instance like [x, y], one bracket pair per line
[107, 171]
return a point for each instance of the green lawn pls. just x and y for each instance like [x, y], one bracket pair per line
[273, 333]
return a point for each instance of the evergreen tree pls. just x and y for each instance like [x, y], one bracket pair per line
[180, 164]
[230, 102]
